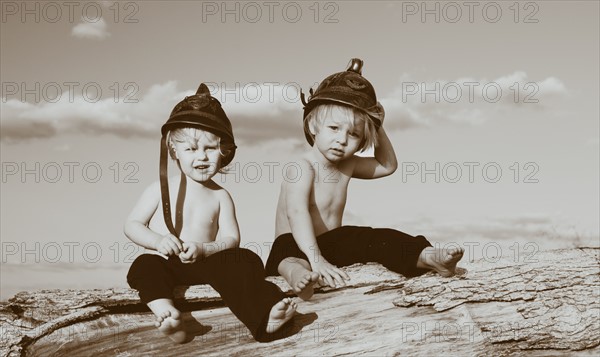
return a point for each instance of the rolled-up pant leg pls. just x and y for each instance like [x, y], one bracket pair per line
[397, 251]
[348, 245]
[239, 276]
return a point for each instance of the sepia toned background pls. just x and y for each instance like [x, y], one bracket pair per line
[492, 108]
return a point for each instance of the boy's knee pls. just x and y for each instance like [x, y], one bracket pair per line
[283, 242]
[248, 256]
[147, 259]
[142, 264]
[285, 246]
[239, 256]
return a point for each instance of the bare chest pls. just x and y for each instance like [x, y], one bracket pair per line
[329, 192]
[200, 218]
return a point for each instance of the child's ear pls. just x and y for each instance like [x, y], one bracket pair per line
[311, 127]
[174, 151]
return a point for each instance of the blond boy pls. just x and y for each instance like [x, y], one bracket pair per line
[203, 247]
[341, 118]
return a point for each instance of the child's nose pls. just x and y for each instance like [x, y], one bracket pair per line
[342, 138]
[201, 155]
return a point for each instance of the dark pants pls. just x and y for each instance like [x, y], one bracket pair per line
[348, 245]
[237, 274]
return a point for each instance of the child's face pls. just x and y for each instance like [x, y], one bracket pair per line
[200, 157]
[338, 137]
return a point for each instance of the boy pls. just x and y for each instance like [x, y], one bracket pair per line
[342, 117]
[199, 137]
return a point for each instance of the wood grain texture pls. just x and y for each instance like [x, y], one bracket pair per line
[546, 306]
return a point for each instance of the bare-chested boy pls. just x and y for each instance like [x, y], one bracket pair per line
[342, 117]
[199, 137]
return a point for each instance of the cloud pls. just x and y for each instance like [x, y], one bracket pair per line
[143, 118]
[465, 101]
[94, 30]
[262, 111]
[271, 111]
[257, 115]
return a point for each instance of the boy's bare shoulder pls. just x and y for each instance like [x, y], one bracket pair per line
[219, 191]
[175, 180]
[299, 171]
[304, 164]
[153, 189]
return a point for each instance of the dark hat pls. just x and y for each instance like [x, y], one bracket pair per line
[348, 88]
[200, 111]
[204, 112]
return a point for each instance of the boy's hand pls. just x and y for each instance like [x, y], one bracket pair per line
[191, 252]
[330, 274]
[169, 245]
[378, 112]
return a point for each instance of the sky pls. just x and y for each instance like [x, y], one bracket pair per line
[492, 108]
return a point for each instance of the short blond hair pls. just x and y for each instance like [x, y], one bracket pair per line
[193, 134]
[321, 111]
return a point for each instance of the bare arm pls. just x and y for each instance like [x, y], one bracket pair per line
[297, 203]
[298, 214]
[136, 225]
[384, 162]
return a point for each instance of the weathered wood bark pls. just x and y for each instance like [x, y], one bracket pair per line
[547, 306]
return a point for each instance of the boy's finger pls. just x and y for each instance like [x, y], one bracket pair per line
[343, 274]
[174, 247]
[328, 280]
[332, 281]
[176, 241]
[321, 281]
[339, 280]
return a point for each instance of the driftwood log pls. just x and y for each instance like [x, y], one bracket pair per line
[549, 305]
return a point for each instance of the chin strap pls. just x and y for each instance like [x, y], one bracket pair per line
[303, 98]
[164, 189]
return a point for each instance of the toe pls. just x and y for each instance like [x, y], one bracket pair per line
[282, 305]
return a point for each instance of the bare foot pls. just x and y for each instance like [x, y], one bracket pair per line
[442, 260]
[168, 320]
[280, 314]
[298, 274]
[303, 282]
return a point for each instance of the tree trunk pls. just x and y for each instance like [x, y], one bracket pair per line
[546, 305]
